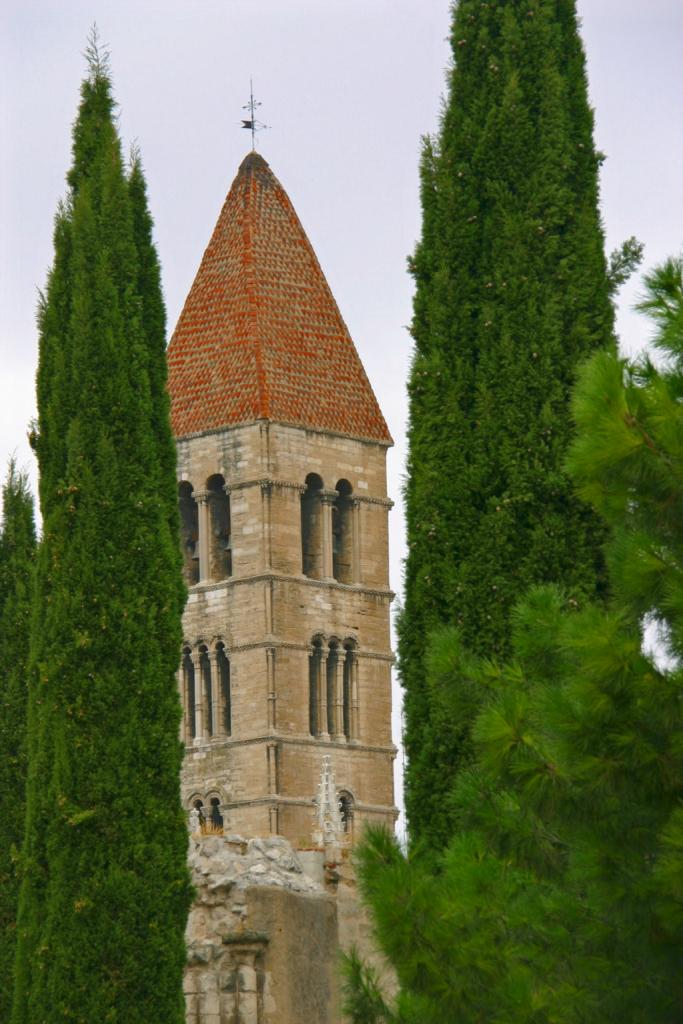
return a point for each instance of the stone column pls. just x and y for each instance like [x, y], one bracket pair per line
[227, 488]
[355, 699]
[198, 698]
[271, 748]
[272, 755]
[313, 711]
[272, 696]
[191, 997]
[322, 695]
[228, 997]
[180, 677]
[248, 993]
[238, 984]
[274, 820]
[266, 513]
[355, 555]
[247, 987]
[327, 500]
[339, 696]
[202, 499]
[217, 716]
[268, 607]
[315, 653]
[188, 708]
[208, 999]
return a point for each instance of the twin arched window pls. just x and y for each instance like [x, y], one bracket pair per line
[311, 528]
[207, 706]
[189, 532]
[327, 531]
[327, 543]
[207, 820]
[205, 531]
[333, 689]
[220, 543]
[342, 533]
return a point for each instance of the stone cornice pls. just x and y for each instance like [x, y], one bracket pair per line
[298, 801]
[184, 438]
[272, 643]
[265, 483]
[366, 499]
[291, 741]
[268, 483]
[330, 495]
[268, 575]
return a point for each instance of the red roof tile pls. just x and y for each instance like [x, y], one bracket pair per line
[260, 335]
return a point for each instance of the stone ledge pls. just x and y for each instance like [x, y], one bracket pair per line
[299, 801]
[297, 741]
[185, 438]
[270, 575]
[246, 938]
[273, 643]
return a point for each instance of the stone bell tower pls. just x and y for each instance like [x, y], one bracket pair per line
[281, 451]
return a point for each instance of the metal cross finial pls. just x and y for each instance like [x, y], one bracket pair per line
[251, 123]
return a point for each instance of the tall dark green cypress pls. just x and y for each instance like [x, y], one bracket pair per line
[105, 891]
[511, 294]
[17, 554]
[559, 899]
[153, 314]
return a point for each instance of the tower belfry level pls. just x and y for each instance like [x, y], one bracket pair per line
[284, 509]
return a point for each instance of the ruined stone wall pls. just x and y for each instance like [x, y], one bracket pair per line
[266, 930]
[262, 936]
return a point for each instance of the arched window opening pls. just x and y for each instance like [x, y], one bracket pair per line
[223, 665]
[314, 701]
[215, 822]
[220, 543]
[332, 703]
[311, 528]
[342, 533]
[205, 674]
[189, 532]
[346, 808]
[197, 817]
[349, 688]
[189, 695]
[333, 689]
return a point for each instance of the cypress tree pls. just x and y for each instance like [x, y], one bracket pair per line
[17, 551]
[105, 891]
[559, 899]
[153, 313]
[512, 291]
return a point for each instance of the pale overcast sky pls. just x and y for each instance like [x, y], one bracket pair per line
[348, 86]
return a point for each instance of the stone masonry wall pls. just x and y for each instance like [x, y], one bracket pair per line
[266, 929]
[268, 612]
[262, 936]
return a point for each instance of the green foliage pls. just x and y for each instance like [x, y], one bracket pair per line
[17, 552]
[511, 294]
[623, 262]
[153, 315]
[105, 889]
[364, 1001]
[559, 899]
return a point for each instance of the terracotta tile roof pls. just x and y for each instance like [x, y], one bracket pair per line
[260, 335]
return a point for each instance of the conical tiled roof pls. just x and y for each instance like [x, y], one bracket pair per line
[260, 335]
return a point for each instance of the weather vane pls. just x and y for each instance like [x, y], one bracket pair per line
[251, 124]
